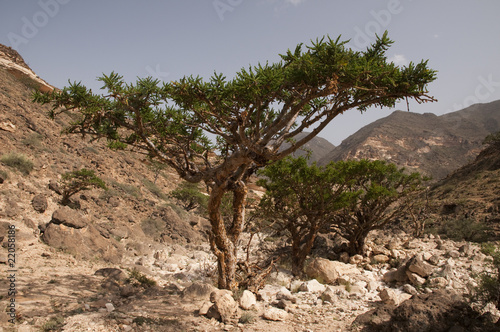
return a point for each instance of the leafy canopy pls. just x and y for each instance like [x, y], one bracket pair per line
[250, 115]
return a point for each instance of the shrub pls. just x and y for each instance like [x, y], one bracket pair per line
[190, 196]
[18, 161]
[464, 229]
[141, 278]
[488, 289]
[76, 181]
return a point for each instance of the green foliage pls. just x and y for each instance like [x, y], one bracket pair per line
[383, 194]
[190, 196]
[462, 229]
[53, 324]
[492, 139]
[488, 289]
[251, 116]
[141, 278]
[117, 145]
[18, 161]
[76, 181]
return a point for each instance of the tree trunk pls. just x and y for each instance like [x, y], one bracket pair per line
[224, 241]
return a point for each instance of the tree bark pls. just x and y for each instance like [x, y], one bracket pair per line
[224, 240]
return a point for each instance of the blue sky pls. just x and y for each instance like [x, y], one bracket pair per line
[81, 39]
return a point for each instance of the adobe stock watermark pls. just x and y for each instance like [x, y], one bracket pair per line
[224, 6]
[31, 26]
[157, 73]
[382, 18]
[484, 90]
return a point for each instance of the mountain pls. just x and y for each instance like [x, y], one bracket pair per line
[318, 147]
[434, 145]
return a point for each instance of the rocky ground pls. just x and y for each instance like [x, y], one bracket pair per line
[58, 290]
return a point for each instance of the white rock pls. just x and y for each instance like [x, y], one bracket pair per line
[275, 314]
[312, 286]
[247, 300]
[110, 307]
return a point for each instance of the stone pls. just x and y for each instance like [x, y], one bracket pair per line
[391, 297]
[438, 282]
[68, 217]
[83, 243]
[275, 314]
[452, 254]
[54, 186]
[224, 306]
[418, 266]
[268, 293]
[285, 294]
[329, 295]
[247, 300]
[434, 259]
[395, 275]
[39, 203]
[410, 289]
[205, 307]
[111, 273]
[356, 259]
[380, 259]
[322, 269]
[312, 286]
[110, 307]
[344, 257]
[415, 279]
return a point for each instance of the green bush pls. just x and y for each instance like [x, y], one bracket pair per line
[141, 278]
[464, 229]
[18, 161]
[190, 196]
[488, 289]
[76, 181]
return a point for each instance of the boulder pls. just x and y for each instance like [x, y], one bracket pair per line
[83, 243]
[381, 259]
[312, 286]
[391, 297]
[275, 314]
[111, 273]
[224, 307]
[322, 269]
[39, 203]
[247, 300]
[68, 217]
[418, 266]
[356, 259]
[395, 275]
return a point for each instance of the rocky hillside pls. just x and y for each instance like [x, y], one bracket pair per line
[434, 145]
[317, 148]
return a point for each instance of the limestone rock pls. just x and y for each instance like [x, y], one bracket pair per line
[381, 259]
[322, 269]
[275, 314]
[418, 266]
[39, 203]
[224, 306]
[356, 259]
[247, 300]
[68, 217]
[312, 286]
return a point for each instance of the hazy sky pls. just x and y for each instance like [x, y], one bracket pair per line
[81, 39]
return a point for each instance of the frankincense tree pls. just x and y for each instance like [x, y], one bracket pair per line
[250, 115]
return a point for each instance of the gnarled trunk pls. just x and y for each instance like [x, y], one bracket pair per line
[223, 241]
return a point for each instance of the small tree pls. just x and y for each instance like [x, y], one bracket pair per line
[301, 199]
[251, 116]
[190, 196]
[488, 289]
[76, 181]
[383, 194]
